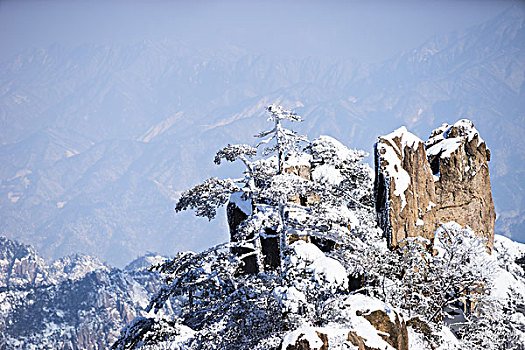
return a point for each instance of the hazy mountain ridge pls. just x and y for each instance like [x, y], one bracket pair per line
[74, 302]
[145, 121]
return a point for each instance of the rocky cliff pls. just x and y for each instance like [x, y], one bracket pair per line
[420, 185]
[73, 303]
[459, 158]
[405, 194]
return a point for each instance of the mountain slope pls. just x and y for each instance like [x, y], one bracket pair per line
[75, 302]
[97, 141]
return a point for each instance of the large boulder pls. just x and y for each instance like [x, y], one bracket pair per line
[459, 160]
[370, 325]
[404, 187]
[374, 324]
[305, 338]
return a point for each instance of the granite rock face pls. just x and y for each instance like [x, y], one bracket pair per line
[459, 159]
[394, 332]
[404, 187]
[420, 185]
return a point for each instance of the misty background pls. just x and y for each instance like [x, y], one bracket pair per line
[108, 110]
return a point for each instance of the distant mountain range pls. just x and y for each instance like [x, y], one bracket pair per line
[97, 142]
[74, 303]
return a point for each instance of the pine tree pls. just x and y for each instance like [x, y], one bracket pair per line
[325, 206]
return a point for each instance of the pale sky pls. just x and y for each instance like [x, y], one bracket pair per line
[365, 30]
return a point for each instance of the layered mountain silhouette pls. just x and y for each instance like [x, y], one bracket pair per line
[97, 142]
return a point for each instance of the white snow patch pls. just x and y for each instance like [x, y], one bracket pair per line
[336, 150]
[502, 284]
[450, 342]
[420, 222]
[417, 340]
[360, 302]
[327, 173]
[329, 271]
[139, 295]
[445, 147]
[360, 325]
[305, 332]
[71, 153]
[441, 144]
[160, 128]
[514, 249]
[307, 252]
[406, 138]
[297, 159]
[391, 157]
[325, 271]
[507, 279]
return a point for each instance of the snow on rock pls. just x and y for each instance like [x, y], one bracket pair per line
[404, 187]
[450, 342]
[329, 271]
[359, 302]
[326, 271]
[376, 322]
[327, 173]
[459, 162]
[391, 148]
[327, 152]
[74, 267]
[307, 252]
[443, 143]
[372, 324]
[505, 245]
[509, 277]
[332, 149]
[297, 159]
[145, 262]
[76, 300]
[307, 333]
[505, 283]
[417, 340]
[445, 148]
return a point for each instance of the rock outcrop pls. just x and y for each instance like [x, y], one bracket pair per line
[459, 158]
[405, 194]
[388, 325]
[74, 303]
[394, 332]
[306, 339]
[420, 185]
[372, 325]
